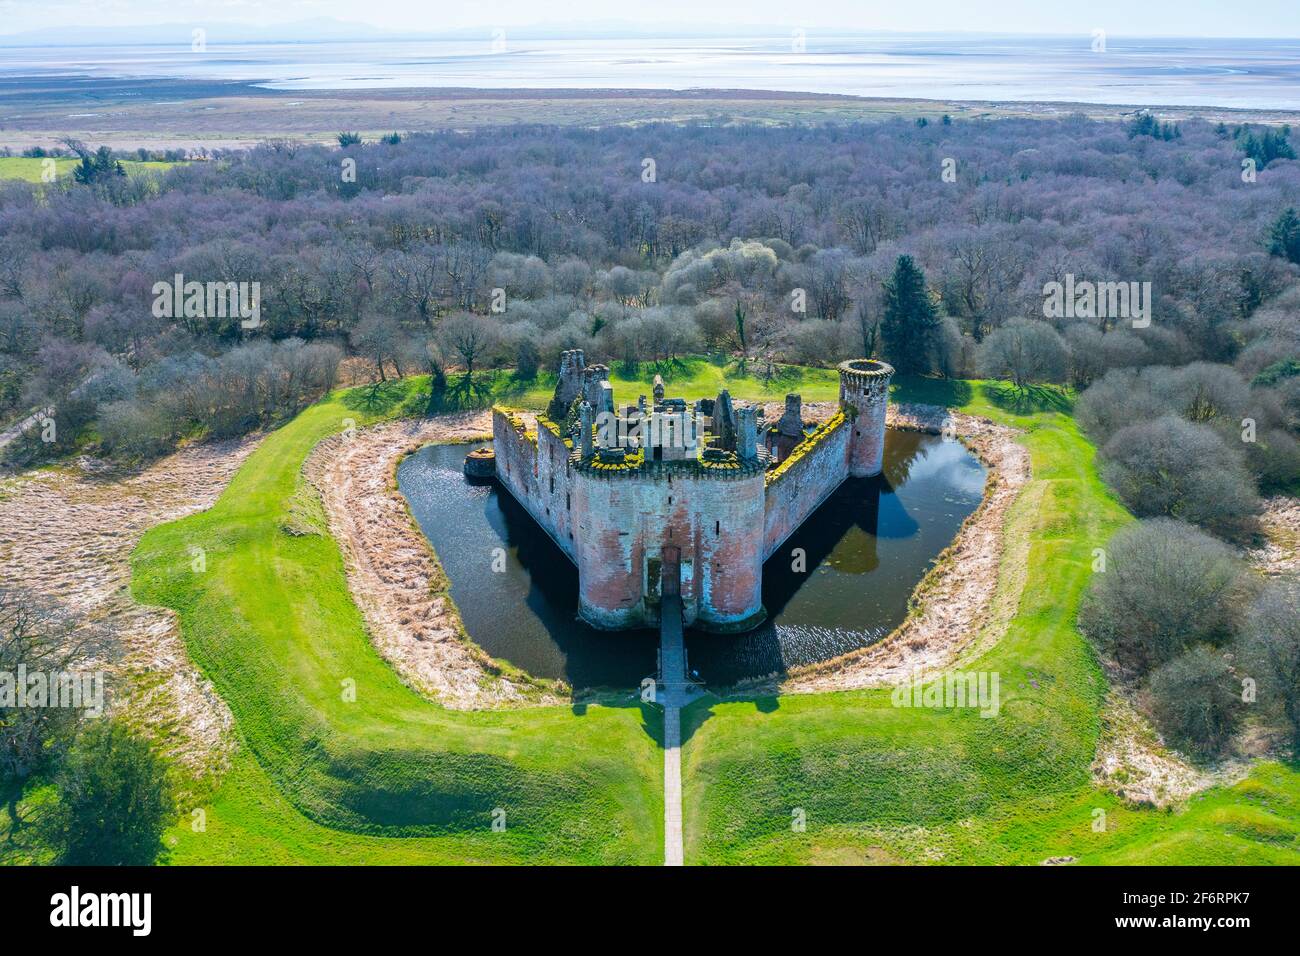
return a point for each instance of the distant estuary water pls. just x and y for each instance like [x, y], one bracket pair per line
[865, 549]
[1082, 68]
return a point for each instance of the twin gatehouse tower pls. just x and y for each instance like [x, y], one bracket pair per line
[668, 498]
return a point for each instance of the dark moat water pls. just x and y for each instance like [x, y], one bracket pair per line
[865, 549]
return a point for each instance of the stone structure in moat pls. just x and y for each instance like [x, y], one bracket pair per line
[650, 500]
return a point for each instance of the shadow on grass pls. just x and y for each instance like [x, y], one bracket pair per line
[955, 393]
[1029, 399]
[695, 714]
[22, 837]
[510, 385]
[467, 393]
[668, 368]
[414, 395]
[378, 398]
[652, 716]
[946, 392]
[781, 376]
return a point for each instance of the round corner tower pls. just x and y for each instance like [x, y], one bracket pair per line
[864, 394]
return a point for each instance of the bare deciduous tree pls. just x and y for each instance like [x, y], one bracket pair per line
[38, 637]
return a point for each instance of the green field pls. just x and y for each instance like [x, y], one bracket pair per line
[689, 378]
[271, 622]
[29, 169]
[392, 778]
[878, 783]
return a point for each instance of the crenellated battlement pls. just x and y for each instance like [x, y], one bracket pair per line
[864, 394]
[672, 497]
[636, 467]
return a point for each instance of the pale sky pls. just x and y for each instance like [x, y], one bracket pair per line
[1256, 18]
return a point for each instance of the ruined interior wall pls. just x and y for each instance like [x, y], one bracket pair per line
[805, 484]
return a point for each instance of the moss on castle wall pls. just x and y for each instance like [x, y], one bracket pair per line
[516, 419]
[633, 461]
[805, 447]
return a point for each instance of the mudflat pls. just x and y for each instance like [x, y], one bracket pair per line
[163, 113]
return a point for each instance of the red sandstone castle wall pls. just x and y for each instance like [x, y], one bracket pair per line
[796, 492]
[868, 446]
[715, 523]
[555, 489]
[539, 476]
[869, 397]
[609, 526]
[729, 548]
[724, 526]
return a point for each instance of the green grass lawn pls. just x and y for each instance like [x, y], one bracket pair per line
[391, 778]
[689, 378]
[29, 169]
[881, 783]
[272, 624]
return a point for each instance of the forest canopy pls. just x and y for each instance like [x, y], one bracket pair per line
[931, 246]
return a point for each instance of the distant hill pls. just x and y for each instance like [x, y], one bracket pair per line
[321, 29]
[302, 31]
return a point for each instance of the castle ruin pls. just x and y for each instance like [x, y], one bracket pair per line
[664, 498]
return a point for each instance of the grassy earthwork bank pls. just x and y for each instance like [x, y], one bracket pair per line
[386, 776]
[879, 783]
[391, 778]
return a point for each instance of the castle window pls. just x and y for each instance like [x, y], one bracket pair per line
[568, 503]
[670, 499]
[717, 528]
[552, 484]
